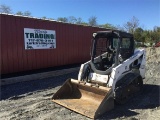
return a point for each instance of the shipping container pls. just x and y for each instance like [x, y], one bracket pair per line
[72, 43]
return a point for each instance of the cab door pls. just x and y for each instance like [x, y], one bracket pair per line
[126, 48]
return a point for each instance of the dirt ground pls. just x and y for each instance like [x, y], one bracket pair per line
[32, 99]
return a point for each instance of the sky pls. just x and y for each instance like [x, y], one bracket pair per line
[115, 12]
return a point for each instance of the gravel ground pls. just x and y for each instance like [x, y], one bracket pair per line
[32, 99]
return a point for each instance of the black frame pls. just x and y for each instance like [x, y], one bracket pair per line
[126, 53]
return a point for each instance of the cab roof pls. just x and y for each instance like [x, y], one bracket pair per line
[112, 33]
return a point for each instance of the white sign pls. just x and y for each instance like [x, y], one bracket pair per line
[39, 39]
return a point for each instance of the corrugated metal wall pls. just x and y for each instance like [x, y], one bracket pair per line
[72, 41]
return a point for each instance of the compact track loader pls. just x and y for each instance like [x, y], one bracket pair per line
[114, 74]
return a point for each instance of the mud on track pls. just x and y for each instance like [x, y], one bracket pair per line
[32, 99]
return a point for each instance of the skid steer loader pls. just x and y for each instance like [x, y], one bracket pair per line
[114, 74]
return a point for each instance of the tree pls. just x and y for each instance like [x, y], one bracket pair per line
[62, 19]
[79, 21]
[44, 17]
[19, 13]
[92, 21]
[156, 29]
[155, 35]
[138, 34]
[5, 9]
[50, 18]
[84, 23]
[27, 13]
[108, 26]
[131, 25]
[72, 19]
[119, 27]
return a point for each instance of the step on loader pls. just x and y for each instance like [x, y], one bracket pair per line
[114, 74]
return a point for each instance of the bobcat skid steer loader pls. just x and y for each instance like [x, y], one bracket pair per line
[115, 73]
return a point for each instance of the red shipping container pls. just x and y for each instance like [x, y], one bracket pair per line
[72, 44]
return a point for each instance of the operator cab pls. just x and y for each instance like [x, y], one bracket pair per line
[110, 48]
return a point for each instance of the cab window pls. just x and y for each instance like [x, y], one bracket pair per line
[115, 42]
[125, 43]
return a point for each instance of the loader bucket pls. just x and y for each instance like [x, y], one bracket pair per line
[85, 99]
